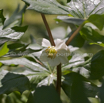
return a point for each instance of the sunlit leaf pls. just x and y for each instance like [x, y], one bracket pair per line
[23, 51]
[3, 50]
[10, 34]
[85, 8]
[97, 66]
[23, 61]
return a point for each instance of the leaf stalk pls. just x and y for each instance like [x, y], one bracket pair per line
[48, 30]
[74, 34]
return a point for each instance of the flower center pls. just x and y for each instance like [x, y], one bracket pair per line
[51, 51]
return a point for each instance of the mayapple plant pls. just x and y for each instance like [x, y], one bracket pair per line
[55, 55]
[57, 71]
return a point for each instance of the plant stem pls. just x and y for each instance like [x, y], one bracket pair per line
[58, 83]
[74, 34]
[48, 30]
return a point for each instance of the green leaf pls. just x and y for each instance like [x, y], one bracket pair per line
[15, 45]
[78, 41]
[97, 20]
[78, 92]
[97, 65]
[67, 19]
[11, 34]
[14, 82]
[63, 2]
[85, 8]
[47, 6]
[2, 18]
[77, 60]
[23, 61]
[101, 92]
[37, 79]
[2, 74]
[68, 0]
[16, 97]
[23, 51]
[45, 94]
[8, 99]
[90, 90]
[3, 50]
[92, 36]
[3, 40]
[15, 16]
[20, 29]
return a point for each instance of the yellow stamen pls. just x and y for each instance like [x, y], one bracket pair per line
[51, 52]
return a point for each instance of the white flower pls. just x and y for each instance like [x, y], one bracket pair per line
[55, 55]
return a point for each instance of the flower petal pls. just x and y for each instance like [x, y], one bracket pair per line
[63, 52]
[54, 62]
[45, 43]
[44, 57]
[60, 44]
[64, 60]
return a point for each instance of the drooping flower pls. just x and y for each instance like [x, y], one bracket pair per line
[55, 55]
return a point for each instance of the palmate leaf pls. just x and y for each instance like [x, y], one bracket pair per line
[85, 8]
[37, 75]
[81, 10]
[47, 6]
